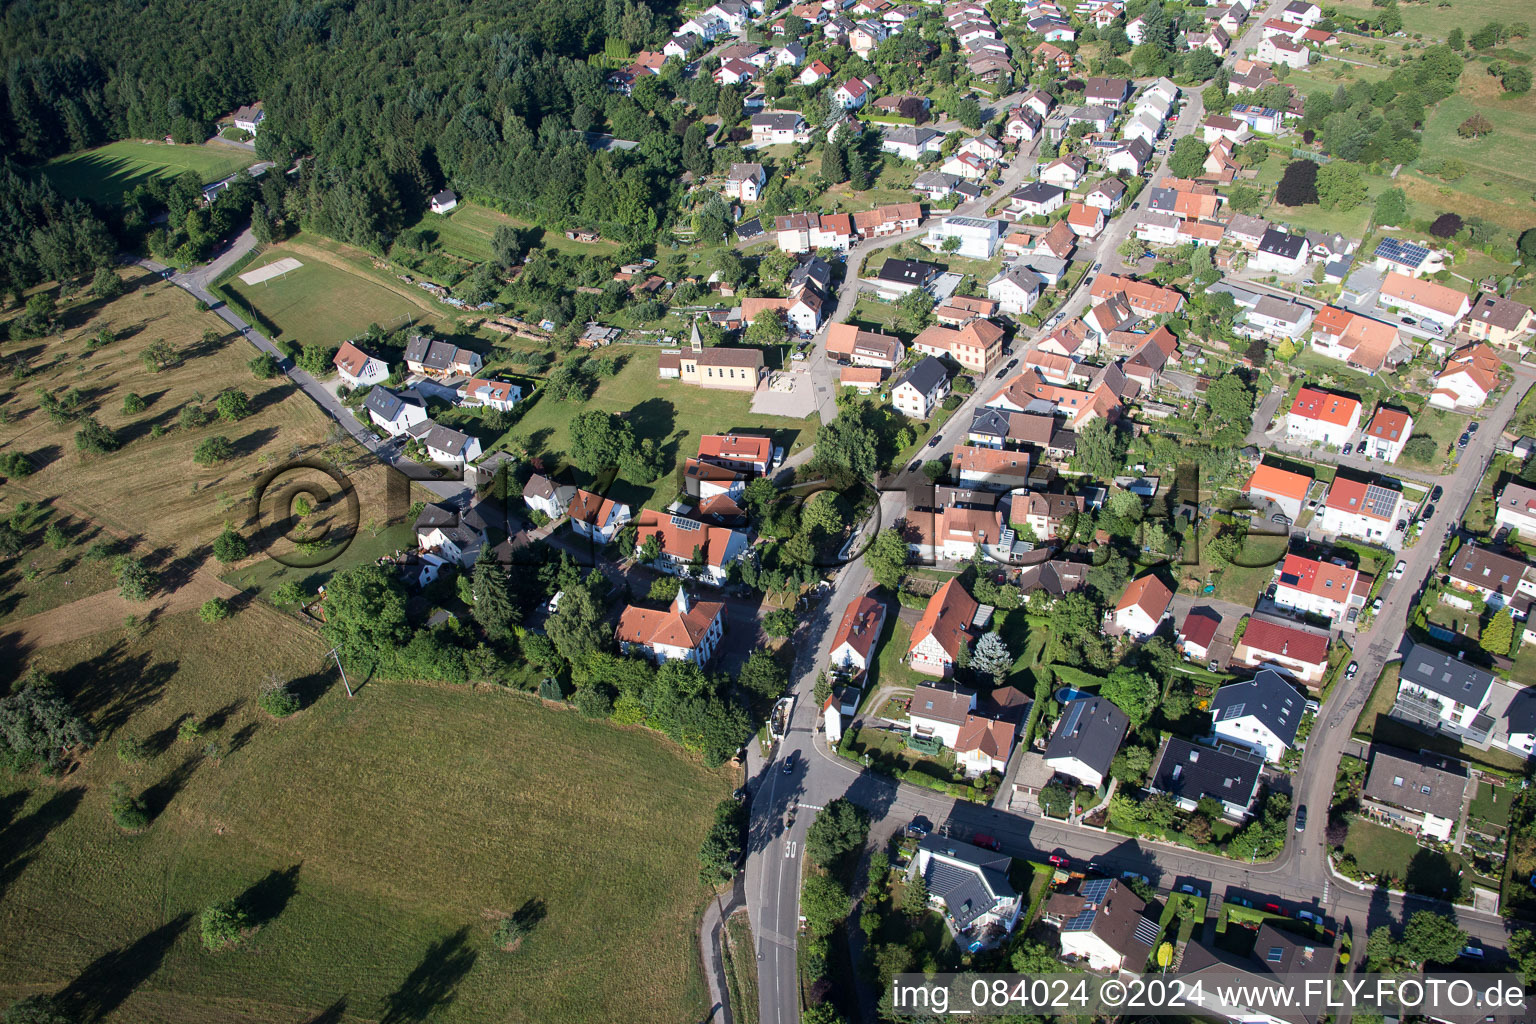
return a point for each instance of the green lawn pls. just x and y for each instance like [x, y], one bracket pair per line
[319, 303]
[1376, 725]
[265, 575]
[43, 579]
[673, 414]
[1436, 22]
[378, 840]
[889, 669]
[106, 173]
[1397, 855]
[468, 230]
[1442, 425]
[1492, 803]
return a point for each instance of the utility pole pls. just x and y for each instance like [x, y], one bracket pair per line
[343, 672]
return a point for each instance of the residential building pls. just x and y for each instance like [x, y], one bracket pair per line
[919, 393]
[1314, 587]
[745, 182]
[970, 886]
[1198, 632]
[1085, 740]
[1516, 510]
[706, 480]
[444, 445]
[910, 142]
[1362, 342]
[1016, 288]
[395, 412]
[1280, 253]
[944, 628]
[1048, 515]
[492, 394]
[1023, 124]
[1500, 321]
[1284, 51]
[1274, 317]
[1049, 55]
[1261, 714]
[1064, 172]
[1386, 434]
[597, 518]
[1131, 157]
[248, 118]
[984, 744]
[1281, 487]
[1421, 793]
[989, 469]
[1426, 300]
[1276, 955]
[1296, 651]
[745, 453]
[978, 236]
[852, 94]
[687, 631]
[853, 646]
[898, 277]
[1085, 221]
[1439, 692]
[892, 219]
[777, 128]
[1144, 298]
[864, 348]
[1361, 509]
[1143, 606]
[1190, 772]
[358, 369]
[1321, 417]
[1109, 92]
[1302, 12]
[1470, 375]
[434, 358]
[1106, 195]
[959, 310]
[1104, 924]
[444, 535]
[443, 202]
[977, 346]
[1219, 126]
[1496, 578]
[542, 494]
[690, 548]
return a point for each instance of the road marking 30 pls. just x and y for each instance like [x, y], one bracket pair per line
[789, 849]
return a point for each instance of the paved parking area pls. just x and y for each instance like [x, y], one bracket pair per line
[796, 403]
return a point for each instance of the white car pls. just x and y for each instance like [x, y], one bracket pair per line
[1399, 569]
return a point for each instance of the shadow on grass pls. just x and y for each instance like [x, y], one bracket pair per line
[331, 1014]
[433, 984]
[268, 898]
[109, 980]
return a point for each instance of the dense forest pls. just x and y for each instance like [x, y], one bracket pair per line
[385, 102]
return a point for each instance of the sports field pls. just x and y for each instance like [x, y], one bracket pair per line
[325, 301]
[468, 230]
[104, 174]
[671, 413]
[377, 839]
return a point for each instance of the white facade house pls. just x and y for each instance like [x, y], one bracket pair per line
[939, 712]
[1386, 434]
[978, 236]
[1109, 927]
[444, 445]
[542, 494]
[1365, 511]
[1516, 510]
[357, 368]
[444, 535]
[1261, 714]
[1085, 740]
[919, 392]
[395, 412]
[1143, 606]
[1015, 288]
[1321, 417]
[853, 648]
[688, 631]
[969, 885]
[1315, 587]
[597, 518]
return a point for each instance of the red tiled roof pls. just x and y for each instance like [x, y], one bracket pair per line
[1274, 480]
[1148, 593]
[1313, 404]
[672, 627]
[1199, 627]
[1287, 641]
[947, 619]
[860, 627]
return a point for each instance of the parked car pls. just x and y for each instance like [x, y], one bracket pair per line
[1461, 442]
[1301, 818]
[1473, 949]
[1241, 901]
[1214, 665]
[1398, 570]
[1011, 364]
[1281, 518]
[1349, 673]
[1190, 889]
[1131, 876]
[1472, 427]
[1309, 917]
[1273, 908]
[1410, 321]
[986, 842]
[1269, 591]
[1376, 606]
[1402, 524]
[919, 827]
[1429, 512]
[1354, 613]
[1434, 495]
[789, 763]
[1096, 267]
[932, 441]
[915, 463]
[1349, 448]
[1059, 860]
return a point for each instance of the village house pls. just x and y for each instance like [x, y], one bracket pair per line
[1015, 289]
[1516, 510]
[597, 518]
[542, 494]
[358, 369]
[1420, 793]
[1280, 252]
[1197, 633]
[1143, 606]
[969, 885]
[977, 236]
[1500, 321]
[777, 128]
[1386, 434]
[920, 391]
[1102, 923]
[1497, 579]
[1261, 714]
[989, 469]
[1314, 587]
[444, 445]
[853, 646]
[745, 182]
[1361, 509]
[248, 118]
[1085, 740]
[395, 412]
[687, 631]
[444, 535]
[1359, 341]
[1321, 417]
[1426, 300]
[1299, 652]
[941, 632]
[690, 548]
[977, 346]
[1190, 772]
[1470, 375]
[434, 358]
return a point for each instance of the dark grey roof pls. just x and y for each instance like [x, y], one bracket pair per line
[1090, 730]
[441, 438]
[926, 375]
[1164, 199]
[969, 879]
[812, 270]
[1038, 192]
[911, 135]
[934, 180]
[991, 422]
[416, 348]
[1281, 243]
[387, 404]
[1192, 771]
[445, 196]
[1112, 187]
[1438, 672]
[1267, 697]
[776, 121]
[945, 495]
[907, 271]
[1275, 954]
[749, 228]
[1138, 148]
[1418, 782]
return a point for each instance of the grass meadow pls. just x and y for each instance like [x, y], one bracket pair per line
[377, 840]
[108, 172]
[467, 232]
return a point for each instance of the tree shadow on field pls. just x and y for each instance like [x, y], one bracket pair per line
[268, 898]
[114, 686]
[20, 837]
[104, 985]
[331, 1014]
[433, 984]
[159, 796]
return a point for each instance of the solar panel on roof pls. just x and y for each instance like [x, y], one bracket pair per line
[1276, 954]
[1093, 890]
[1146, 931]
[1082, 922]
[1406, 253]
[684, 524]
